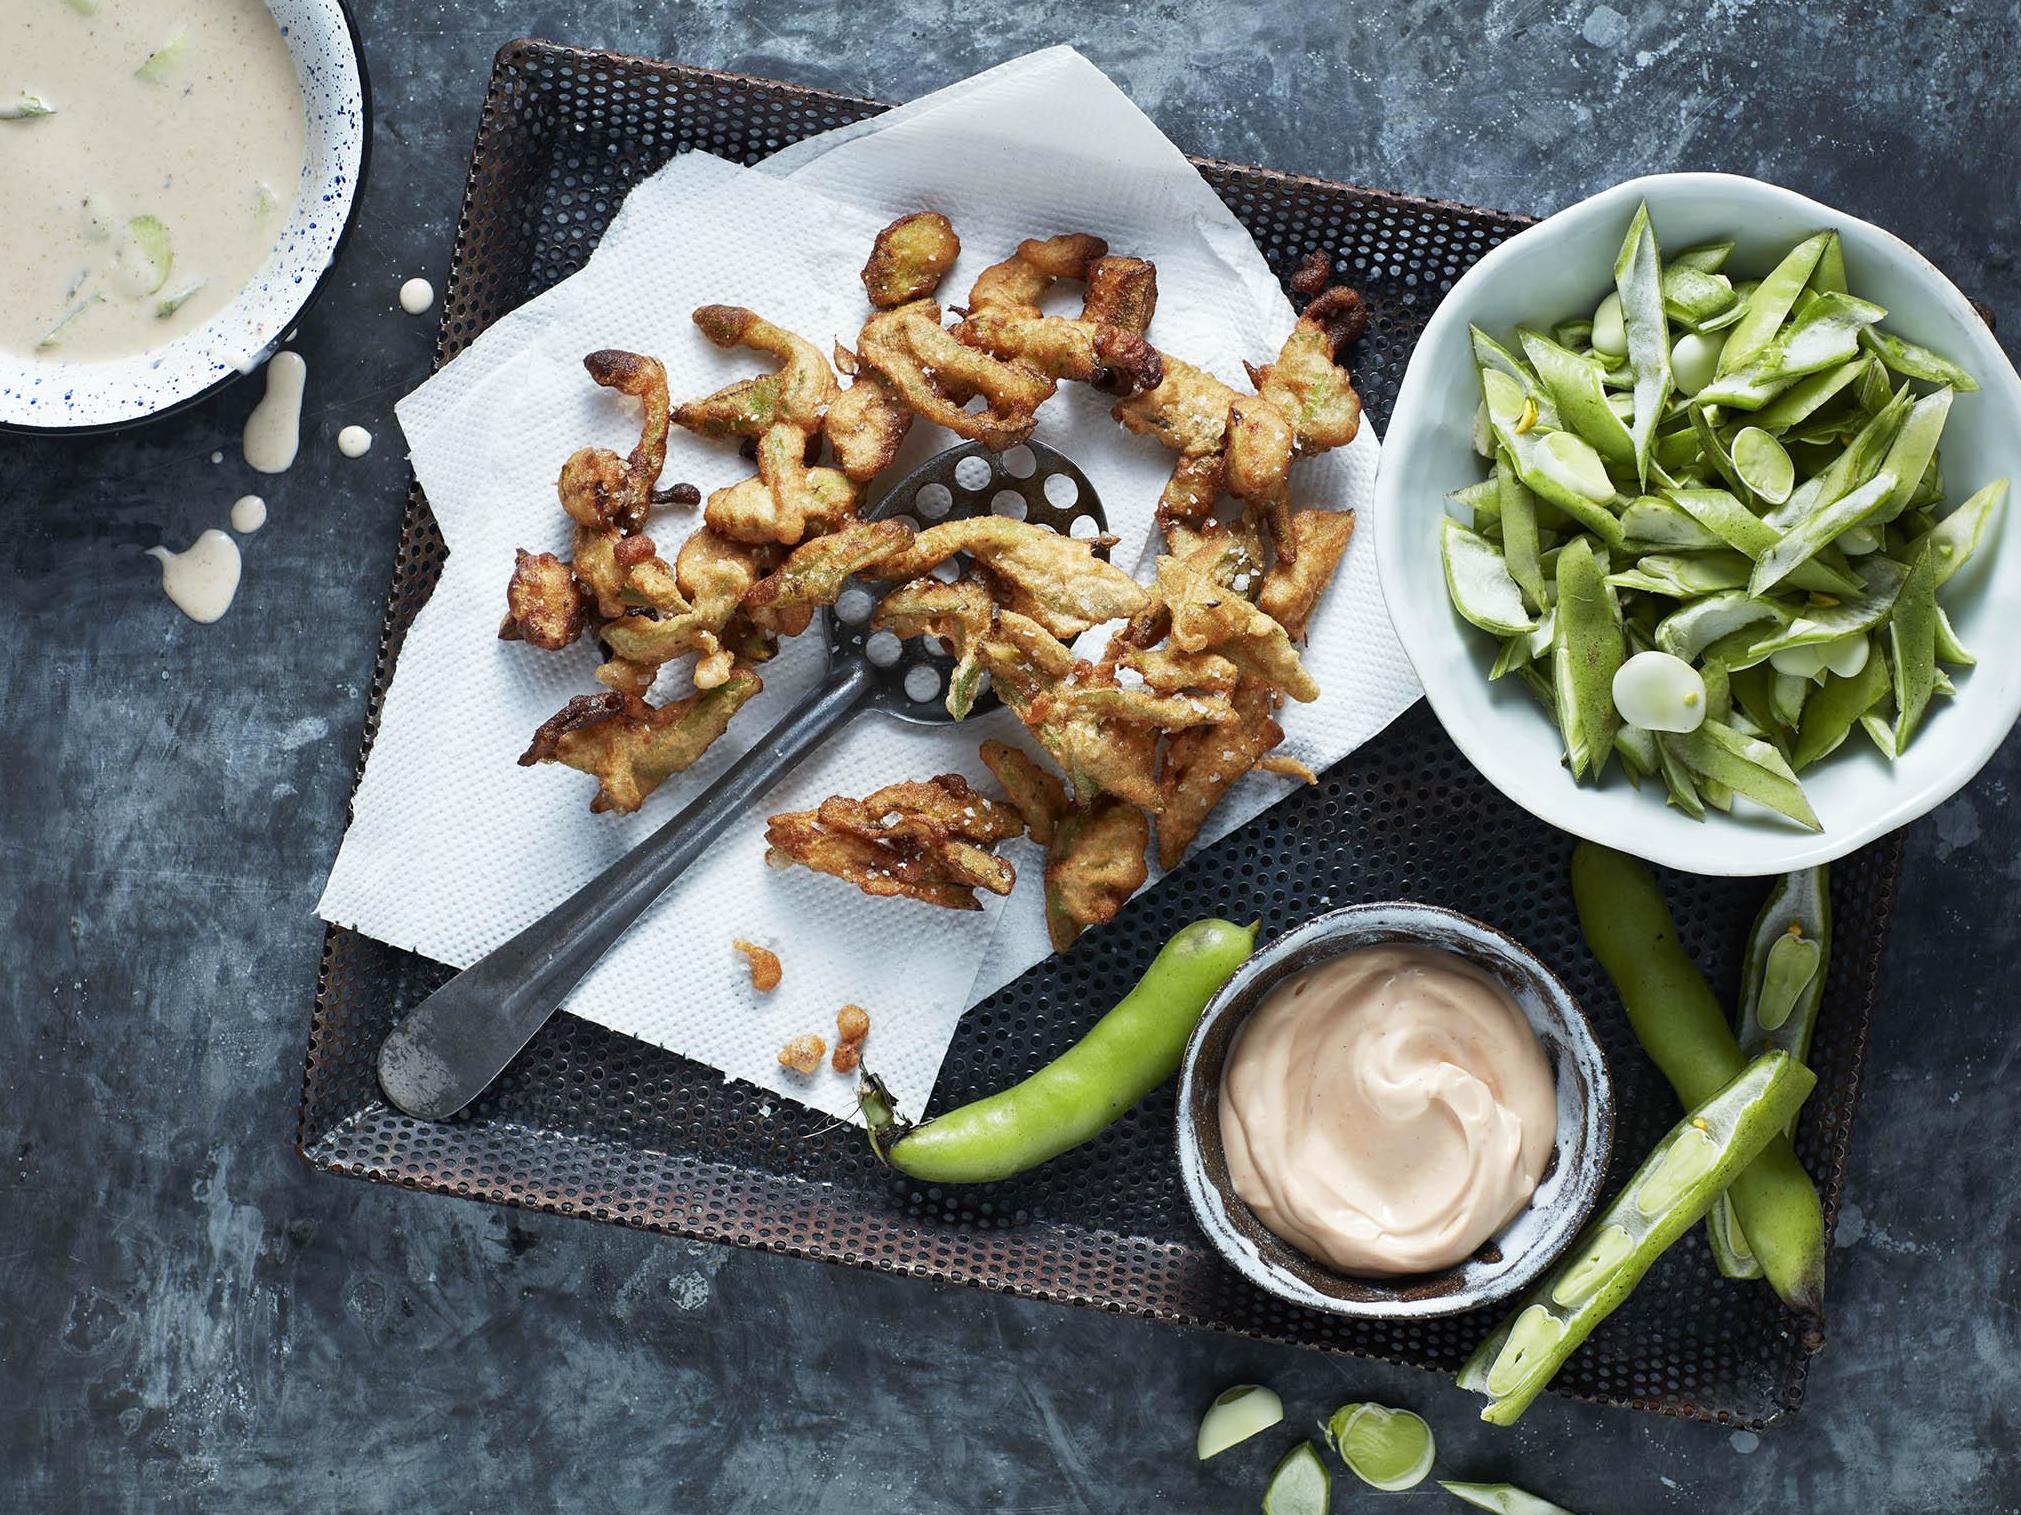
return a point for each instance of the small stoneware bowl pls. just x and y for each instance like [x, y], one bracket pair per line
[38, 395]
[1523, 1248]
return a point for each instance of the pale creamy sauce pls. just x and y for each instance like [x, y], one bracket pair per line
[1387, 1111]
[274, 430]
[249, 514]
[354, 441]
[152, 192]
[202, 578]
[416, 295]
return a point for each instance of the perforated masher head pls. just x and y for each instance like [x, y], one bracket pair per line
[1029, 482]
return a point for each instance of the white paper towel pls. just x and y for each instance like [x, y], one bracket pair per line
[453, 847]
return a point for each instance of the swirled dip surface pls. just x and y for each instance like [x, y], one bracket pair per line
[1388, 1111]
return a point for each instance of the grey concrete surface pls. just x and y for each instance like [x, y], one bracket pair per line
[190, 1320]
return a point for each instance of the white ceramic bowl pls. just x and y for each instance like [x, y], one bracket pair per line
[1561, 268]
[38, 395]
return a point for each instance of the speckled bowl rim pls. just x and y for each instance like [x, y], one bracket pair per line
[351, 196]
[1536, 1237]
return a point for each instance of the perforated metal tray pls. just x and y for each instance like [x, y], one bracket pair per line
[590, 1123]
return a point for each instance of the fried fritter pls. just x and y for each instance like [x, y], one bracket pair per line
[608, 497]
[1306, 382]
[783, 411]
[748, 511]
[925, 840]
[1096, 862]
[815, 572]
[1292, 588]
[632, 747]
[867, 424]
[1202, 765]
[712, 575]
[936, 376]
[1055, 580]
[909, 259]
[959, 615]
[543, 603]
[1005, 321]
[1207, 617]
[1121, 292]
[1034, 793]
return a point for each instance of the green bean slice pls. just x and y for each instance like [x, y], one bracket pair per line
[1731, 1253]
[1301, 1484]
[1880, 731]
[1691, 296]
[1949, 648]
[1954, 539]
[1863, 611]
[1557, 466]
[1787, 695]
[1829, 277]
[1830, 714]
[1491, 355]
[1706, 257]
[1502, 1499]
[1737, 1122]
[1479, 582]
[1685, 575]
[1912, 646]
[1823, 335]
[1483, 496]
[1650, 522]
[1808, 395]
[1914, 450]
[1726, 518]
[1577, 335]
[1579, 396]
[1857, 464]
[1518, 510]
[1586, 652]
[1912, 361]
[1748, 766]
[1688, 631]
[1770, 304]
[1638, 280]
[1808, 538]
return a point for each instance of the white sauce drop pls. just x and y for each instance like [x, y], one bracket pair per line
[354, 441]
[153, 189]
[249, 513]
[202, 579]
[416, 295]
[274, 429]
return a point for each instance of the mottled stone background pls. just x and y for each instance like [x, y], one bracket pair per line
[189, 1319]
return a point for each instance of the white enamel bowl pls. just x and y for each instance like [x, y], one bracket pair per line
[1561, 268]
[39, 395]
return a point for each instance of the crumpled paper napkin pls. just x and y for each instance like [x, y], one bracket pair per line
[453, 848]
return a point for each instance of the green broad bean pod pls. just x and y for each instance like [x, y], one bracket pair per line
[1685, 1031]
[1672, 1190]
[1125, 1055]
[1501, 1498]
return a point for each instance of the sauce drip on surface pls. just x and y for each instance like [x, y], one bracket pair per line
[202, 578]
[274, 429]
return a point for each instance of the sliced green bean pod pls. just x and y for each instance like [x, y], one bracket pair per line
[1949, 648]
[1558, 466]
[1685, 575]
[1691, 296]
[1823, 335]
[1706, 257]
[1769, 306]
[1502, 1498]
[1914, 450]
[1880, 730]
[1830, 714]
[1579, 395]
[1586, 652]
[1638, 280]
[1477, 497]
[1787, 695]
[1747, 765]
[1518, 510]
[1819, 623]
[1855, 465]
[1678, 1182]
[1912, 646]
[1577, 335]
[1954, 539]
[1478, 579]
[1829, 277]
[1651, 522]
[1490, 354]
[1782, 977]
[1807, 538]
[1687, 632]
[1914, 362]
[1808, 396]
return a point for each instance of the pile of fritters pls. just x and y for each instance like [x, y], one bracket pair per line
[1155, 731]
